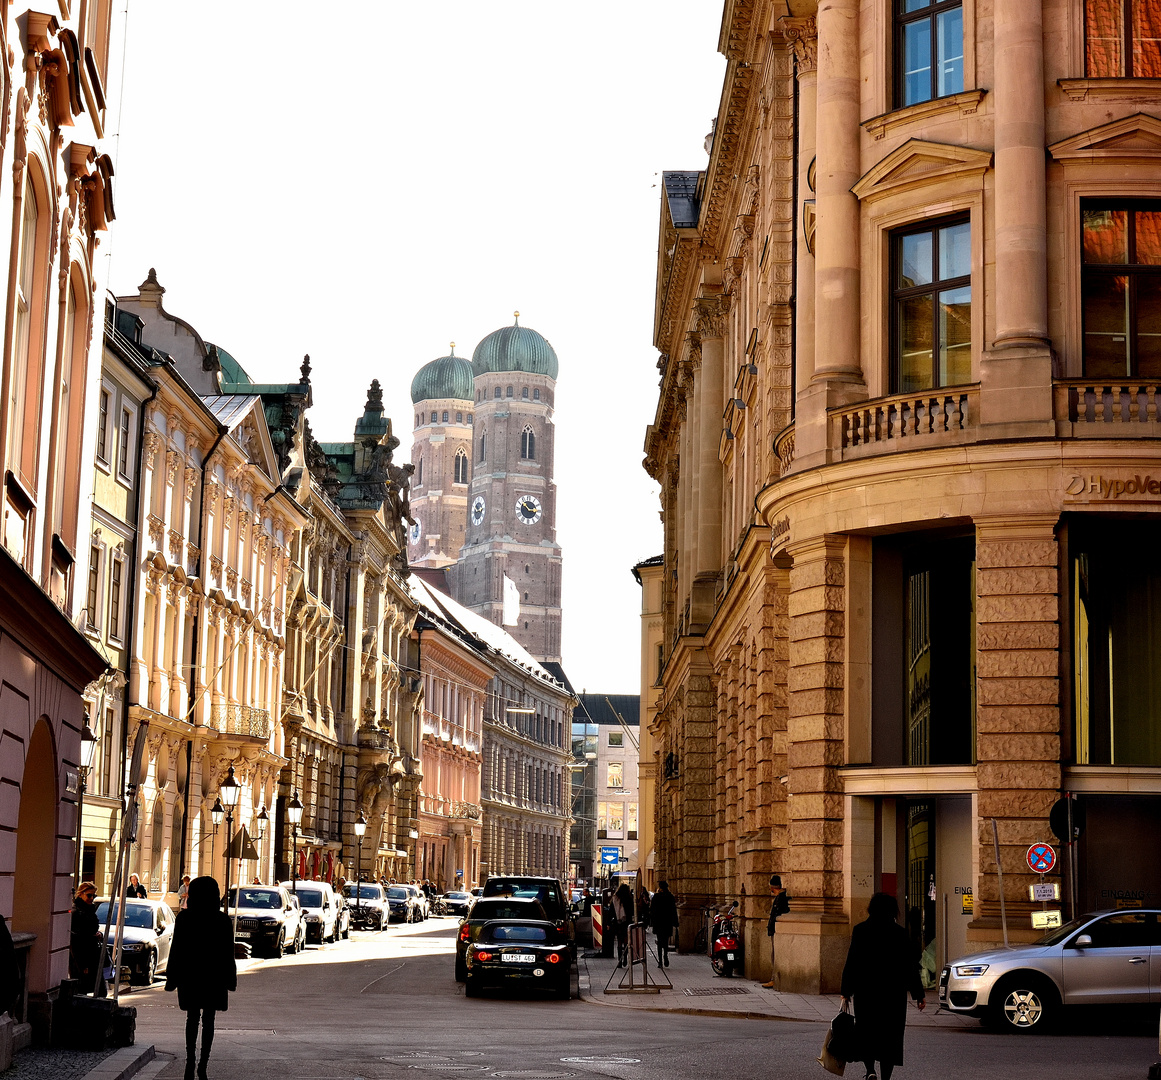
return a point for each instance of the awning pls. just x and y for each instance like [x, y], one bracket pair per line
[651, 859]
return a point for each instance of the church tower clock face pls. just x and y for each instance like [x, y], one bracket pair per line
[528, 509]
[478, 510]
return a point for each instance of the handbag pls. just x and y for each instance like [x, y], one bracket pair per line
[827, 1060]
[843, 1040]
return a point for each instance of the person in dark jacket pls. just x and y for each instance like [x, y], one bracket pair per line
[623, 906]
[881, 970]
[85, 937]
[201, 967]
[136, 891]
[779, 905]
[663, 915]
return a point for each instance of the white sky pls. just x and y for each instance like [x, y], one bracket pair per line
[367, 182]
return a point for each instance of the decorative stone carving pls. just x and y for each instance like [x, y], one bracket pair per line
[803, 35]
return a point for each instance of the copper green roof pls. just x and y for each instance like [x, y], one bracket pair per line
[447, 377]
[515, 348]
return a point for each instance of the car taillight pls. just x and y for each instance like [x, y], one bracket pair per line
[482, 955]
[465, 933]
[553, 958]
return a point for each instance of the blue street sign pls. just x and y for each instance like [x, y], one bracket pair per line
[610, 856]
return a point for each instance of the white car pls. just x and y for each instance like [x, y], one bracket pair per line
[320, 909]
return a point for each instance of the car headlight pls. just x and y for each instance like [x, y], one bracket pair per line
[969, 971]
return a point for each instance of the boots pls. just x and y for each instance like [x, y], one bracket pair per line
[189, 1065]
[202, 1065]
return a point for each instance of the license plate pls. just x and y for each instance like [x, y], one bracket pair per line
[242, 935]
[518, 958]
[729, 956]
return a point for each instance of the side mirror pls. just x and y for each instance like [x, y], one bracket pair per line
[1083, 942]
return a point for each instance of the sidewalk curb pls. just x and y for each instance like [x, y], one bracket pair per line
[123, 1064]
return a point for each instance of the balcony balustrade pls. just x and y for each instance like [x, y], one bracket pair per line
[1087, 408]
[905, 422]
[243, 720]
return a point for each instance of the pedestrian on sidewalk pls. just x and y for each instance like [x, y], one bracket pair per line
[779, 905]
[202, 968]
[663, 915]
[881, 970]
[85, 936]
[623, 906]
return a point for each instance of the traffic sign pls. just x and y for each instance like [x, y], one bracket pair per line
[1046, 920]
[1043, 892]
[1041, 858]
[610, 856]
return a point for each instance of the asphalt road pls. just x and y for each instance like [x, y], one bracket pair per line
[385, 1006]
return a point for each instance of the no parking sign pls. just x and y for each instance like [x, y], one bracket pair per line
[1041, 858]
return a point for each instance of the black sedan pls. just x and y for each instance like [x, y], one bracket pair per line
[147, 938]
[455, 903]
[519, 952]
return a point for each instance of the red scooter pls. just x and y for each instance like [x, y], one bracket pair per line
[726, 944]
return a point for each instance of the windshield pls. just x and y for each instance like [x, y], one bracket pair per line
[458, 896]
[135, 915]
[518, 933]
[365, 892]
[310, 898]
[398, 893]
[255, 898]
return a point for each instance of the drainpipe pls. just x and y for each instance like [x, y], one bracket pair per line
[194, 652]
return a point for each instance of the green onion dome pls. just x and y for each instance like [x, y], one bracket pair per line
[515, 348]
[447, 377]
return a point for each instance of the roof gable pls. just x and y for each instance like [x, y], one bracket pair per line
[918, 162]
[245, 420]
[1132, 138]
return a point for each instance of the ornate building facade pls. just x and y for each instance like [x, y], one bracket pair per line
[58, 74]
[907, 440]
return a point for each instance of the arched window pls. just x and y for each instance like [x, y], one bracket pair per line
[524, 393]
[497, 394]
[483, 445]
[434, 417]
[469, 418]
[528, 444]
[445, 416]
[419, 473]
[459, 418]
[509, 391]
[461, 467]
[536, 394]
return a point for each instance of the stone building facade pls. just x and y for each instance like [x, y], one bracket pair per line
[907, 441]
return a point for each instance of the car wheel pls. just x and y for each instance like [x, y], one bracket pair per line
[301, 941]
[1024, 1003]
[461, 968]
[280, 946]
[147, 976]
[470, 988]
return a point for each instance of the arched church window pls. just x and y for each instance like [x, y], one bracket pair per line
[469, 418]
[434, 417]
[536, 394]
[528, 444]
[459, 418]
[497, 394]
[483, 445]
[461, 467]
[509, 391]
[524, 393]
[419, 473]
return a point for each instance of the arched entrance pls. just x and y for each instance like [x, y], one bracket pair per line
[36, 836]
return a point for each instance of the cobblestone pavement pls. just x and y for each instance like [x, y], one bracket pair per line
[54, 1064]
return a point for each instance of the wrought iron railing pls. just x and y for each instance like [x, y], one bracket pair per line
[245, 720]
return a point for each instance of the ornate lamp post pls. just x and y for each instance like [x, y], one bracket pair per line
[294, 815]
[260, 824]
[360, 829]
[216, 813]
[88, 749]
[229, 793]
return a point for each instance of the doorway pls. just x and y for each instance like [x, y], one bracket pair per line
[36, 845]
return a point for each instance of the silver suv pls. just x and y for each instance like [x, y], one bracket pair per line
[1102, 958]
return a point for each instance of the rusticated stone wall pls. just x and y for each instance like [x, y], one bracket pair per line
[1018, 713]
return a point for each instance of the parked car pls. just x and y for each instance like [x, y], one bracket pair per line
[269, 918]
[550, 892]
[422, 906]
[1102, 958]
[455, 903]
[514, 952]
[343, 919]
[368, 904]
[402, 902]
[320, 909]
[146, 939]
[485, 910]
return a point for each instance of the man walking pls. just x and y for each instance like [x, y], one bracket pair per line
[779, 905]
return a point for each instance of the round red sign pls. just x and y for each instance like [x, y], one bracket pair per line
[1041, 858]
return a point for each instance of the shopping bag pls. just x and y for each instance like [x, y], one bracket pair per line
[827, 1060]
[843, 1041]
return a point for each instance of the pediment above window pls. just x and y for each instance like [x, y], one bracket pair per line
[1132, 139]
[918, 163]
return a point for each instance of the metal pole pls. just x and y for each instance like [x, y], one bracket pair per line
[1000, 877]
[294, 867]
[359, 879]
[229, 844]
[1071, 861]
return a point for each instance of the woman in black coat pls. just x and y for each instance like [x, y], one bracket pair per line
[663, 914]
[881, 970]
[201, 967]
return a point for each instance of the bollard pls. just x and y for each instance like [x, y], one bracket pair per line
[598, 927]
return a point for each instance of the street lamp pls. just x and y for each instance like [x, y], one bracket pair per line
[260, 824]
[88, 749]
[294, 813]
[229, 792]
[360, 829]
[217, 813]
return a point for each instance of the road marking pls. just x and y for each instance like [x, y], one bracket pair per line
[605, 1060]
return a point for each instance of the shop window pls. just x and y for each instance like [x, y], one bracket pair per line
[1121, 289]
[932, 307]
[1122, 39]
[923, 652]
[928, 49]
[1116, 628]
[461, 466]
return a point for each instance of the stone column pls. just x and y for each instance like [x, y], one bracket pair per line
[687, 491]
[709, 397]
[817, 934]
[1018, 711]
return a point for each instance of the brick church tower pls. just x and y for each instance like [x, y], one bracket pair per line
[509, 566]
